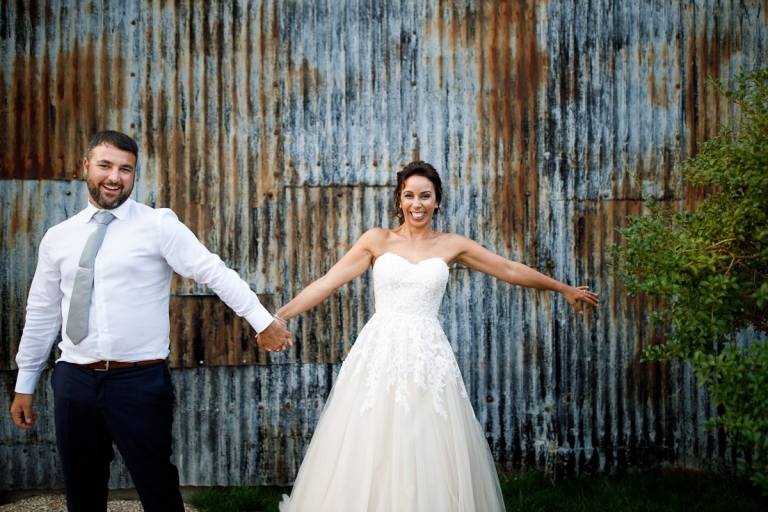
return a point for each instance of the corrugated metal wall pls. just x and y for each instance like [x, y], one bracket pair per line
[275, 128]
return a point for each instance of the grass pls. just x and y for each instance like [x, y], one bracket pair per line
[238, 499]
[647, 491]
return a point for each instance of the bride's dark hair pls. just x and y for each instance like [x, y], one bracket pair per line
[417, 169]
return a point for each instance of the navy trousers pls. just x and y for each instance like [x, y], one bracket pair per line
[132, 407]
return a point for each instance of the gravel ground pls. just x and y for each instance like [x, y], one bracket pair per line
[57, 503]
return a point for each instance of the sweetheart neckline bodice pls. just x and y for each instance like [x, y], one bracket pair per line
[409, 261]
[405, 288]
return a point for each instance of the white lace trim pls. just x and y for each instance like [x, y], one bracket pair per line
[394, 357]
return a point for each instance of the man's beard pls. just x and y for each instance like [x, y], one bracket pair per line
[93, 188]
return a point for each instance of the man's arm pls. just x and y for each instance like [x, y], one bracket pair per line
[42, 325]
[190, 258]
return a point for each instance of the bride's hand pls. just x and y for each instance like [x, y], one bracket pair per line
[577, 294]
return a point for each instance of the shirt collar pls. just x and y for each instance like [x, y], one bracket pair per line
[120, 213]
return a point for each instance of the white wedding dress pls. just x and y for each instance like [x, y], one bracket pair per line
[398, 432]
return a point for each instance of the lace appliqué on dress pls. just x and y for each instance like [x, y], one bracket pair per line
[404, 339]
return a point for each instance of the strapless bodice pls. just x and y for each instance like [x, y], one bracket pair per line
[406, 288]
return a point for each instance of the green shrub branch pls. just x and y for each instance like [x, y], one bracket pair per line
[710, 268]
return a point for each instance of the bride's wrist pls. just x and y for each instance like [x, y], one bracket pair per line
[278, 317]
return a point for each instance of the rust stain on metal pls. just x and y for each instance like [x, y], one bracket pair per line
[708, 55]
[194, 319]
[270, 158]
[709, 52]
[527, 84]
[18, 220]
[658, 86]
[511, 78]
[55, 108]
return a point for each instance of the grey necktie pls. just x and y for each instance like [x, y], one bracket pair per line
[80, 304]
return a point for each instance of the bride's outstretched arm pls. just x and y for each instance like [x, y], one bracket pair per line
[354, 263]
[477, 257]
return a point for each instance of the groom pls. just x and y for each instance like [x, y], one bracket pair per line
[103, 277]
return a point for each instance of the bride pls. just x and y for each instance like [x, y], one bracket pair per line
[398, 432]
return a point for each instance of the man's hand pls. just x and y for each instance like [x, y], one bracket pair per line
[275, 337]
[21, 411]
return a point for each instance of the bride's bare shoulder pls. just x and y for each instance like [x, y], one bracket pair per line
[375, 234]
[453, 239]
[374, 238]
[379, 240]
[452, 246]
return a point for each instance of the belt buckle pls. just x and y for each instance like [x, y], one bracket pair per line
[106, 368]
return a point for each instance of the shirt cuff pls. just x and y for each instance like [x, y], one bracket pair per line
[26, 381]
[259, 318]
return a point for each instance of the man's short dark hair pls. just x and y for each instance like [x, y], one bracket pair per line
[115, 139]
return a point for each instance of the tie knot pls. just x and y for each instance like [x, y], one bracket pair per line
[103, 217]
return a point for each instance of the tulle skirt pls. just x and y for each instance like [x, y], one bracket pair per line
[370, 453]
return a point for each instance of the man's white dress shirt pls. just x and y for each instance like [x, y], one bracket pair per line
[128, 319]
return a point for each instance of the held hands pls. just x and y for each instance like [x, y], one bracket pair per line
[580, 294]
[276, 337]
[21, 411]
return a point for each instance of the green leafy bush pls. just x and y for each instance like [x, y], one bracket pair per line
[710, 267]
